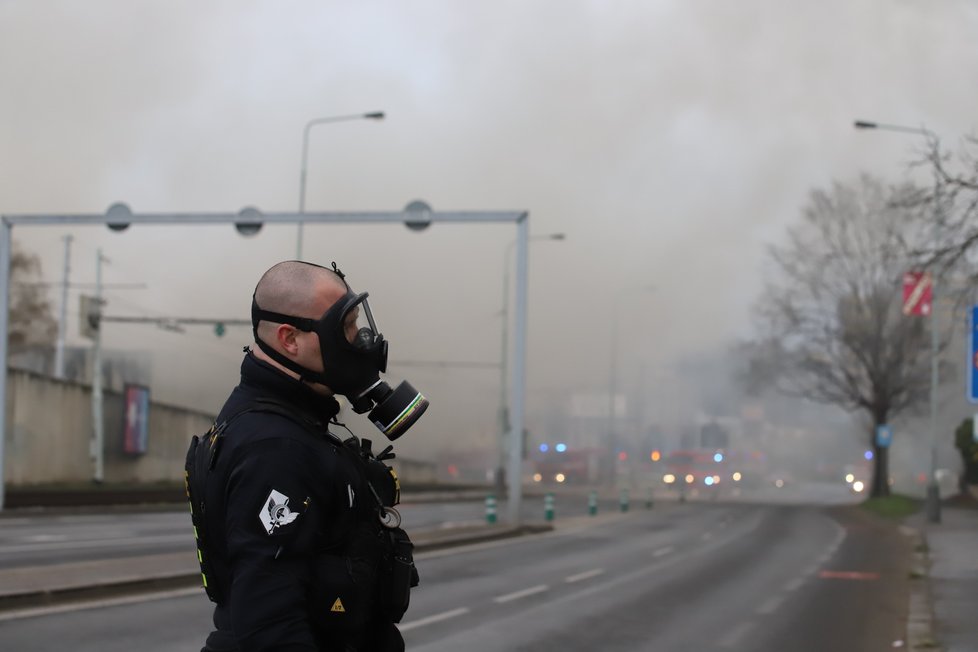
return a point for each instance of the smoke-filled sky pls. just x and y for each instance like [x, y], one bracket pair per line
[669, 141]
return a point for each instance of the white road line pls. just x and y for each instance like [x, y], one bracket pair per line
[583, 576]
[45, 538]
[794, 584]
[732, 638]
[540, 588]
[437, 618]
[662, 551]
[98, 604]
[770, 606]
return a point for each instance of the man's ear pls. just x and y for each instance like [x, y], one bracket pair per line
[285, 335]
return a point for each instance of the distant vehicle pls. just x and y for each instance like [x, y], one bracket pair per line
[702, 469]
[856, 477]
[566, 466]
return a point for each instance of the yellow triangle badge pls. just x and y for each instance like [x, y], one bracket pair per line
[338, 606]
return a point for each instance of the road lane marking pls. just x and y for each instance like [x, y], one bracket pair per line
[733, 637]
[584, 576]
[533, 590]
[848, 575]
[662, 551]
[770, 606]
[436, 618]
[794, 584]
[45, 538]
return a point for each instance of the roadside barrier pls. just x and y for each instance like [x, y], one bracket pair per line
[490, 509]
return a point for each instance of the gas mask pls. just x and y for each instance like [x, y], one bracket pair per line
[354, 355]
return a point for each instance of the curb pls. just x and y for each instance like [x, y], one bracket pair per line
[920, 613]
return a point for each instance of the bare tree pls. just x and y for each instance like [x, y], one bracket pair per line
[31, 324]
[831, 312]
[952, 204]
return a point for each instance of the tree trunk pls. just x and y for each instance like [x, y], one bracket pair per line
[881, 471]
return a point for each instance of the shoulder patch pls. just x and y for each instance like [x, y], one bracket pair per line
[275, 512]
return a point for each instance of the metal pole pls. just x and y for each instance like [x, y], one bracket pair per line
[504, 421]
[302, 189]
[59, 352]
[933, 491]
[98, 424]
[933, 502]
[518, 375]
[612, 390]
[5, 233]
[504, 370]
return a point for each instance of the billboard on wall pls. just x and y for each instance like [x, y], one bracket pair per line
[135, 430]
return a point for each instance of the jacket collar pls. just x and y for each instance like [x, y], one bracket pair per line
[260, 380]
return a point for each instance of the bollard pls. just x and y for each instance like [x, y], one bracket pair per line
[623, 500]
[648, 502]
[592, 503]
[490, 509]
[548, 507]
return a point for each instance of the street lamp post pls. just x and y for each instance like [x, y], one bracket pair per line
[933, 503]
[373, 115]
[504, 362]
[613, 381]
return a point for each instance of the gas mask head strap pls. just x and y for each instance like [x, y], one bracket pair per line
[302, 323]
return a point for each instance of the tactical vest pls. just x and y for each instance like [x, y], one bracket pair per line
[399, 573]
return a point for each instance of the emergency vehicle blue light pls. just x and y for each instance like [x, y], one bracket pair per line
[868, 455]
[718, 457]
[708, 480]
[544, 448]
[561, 447]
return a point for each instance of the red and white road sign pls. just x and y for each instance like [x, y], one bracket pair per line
[918, 291]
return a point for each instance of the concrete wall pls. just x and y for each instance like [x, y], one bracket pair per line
[49, 425]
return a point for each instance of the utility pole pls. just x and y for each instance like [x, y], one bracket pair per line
[97, 446]
[59, 351]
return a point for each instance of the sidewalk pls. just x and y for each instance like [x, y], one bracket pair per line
[953, 550]
[943, 611]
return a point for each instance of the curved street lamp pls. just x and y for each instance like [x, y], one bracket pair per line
[372, 115]
[933, 502]
[504, 425]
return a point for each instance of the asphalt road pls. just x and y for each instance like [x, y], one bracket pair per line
[700, 576]
[40, 539]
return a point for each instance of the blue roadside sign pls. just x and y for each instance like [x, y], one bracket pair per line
[972, 364]
[884, 435]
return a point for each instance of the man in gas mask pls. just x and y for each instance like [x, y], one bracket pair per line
[298, 539]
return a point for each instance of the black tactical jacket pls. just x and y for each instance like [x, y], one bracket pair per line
[292, 565]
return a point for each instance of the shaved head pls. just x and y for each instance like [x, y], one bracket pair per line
[297, 289]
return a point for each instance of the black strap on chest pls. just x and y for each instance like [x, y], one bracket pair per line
[202, 457]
